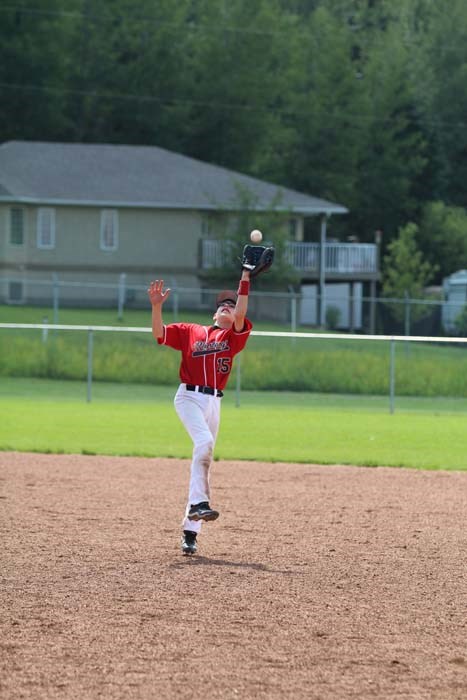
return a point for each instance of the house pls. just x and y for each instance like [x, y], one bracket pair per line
[82, 216]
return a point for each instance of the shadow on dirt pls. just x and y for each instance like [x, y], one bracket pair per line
[206, 561]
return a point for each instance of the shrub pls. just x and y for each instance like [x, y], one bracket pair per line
[461, 323]
[333, 315]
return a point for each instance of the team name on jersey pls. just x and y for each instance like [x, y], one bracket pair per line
[201, 347]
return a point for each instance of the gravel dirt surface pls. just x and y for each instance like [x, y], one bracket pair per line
[316, 582]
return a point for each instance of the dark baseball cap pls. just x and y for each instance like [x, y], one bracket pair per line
[227, 295]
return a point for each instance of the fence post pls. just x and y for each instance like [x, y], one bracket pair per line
[407, 302]
[351, 307]
[407, 313]
[293, 310]
[89, 383]
[322, 273]
[392, 376]
[55, 295]
[45, 330]
[373, 302]
[121, 294]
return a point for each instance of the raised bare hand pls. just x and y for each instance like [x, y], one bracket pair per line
[156, 293]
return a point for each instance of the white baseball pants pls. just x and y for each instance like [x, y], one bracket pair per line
[200, 414]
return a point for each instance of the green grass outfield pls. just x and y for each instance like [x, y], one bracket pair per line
[53, 416]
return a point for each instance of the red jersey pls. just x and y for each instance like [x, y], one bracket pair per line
[207, 351]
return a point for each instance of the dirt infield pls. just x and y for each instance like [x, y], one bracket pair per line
[315, 582]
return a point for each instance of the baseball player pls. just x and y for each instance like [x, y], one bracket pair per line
[206, 363]
[207, 355]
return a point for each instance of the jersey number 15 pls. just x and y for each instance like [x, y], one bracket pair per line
[223, 364]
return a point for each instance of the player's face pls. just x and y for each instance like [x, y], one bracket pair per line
[224, 316]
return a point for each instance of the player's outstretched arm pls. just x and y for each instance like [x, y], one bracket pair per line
[242, 301]
[157, 297]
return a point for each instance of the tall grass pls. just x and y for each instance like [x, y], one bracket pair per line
[316, 364]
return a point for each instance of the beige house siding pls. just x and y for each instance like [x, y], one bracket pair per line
[169, 238]
[150, 243]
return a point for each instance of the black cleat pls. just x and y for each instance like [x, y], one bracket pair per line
[189, 545]
[202, 511]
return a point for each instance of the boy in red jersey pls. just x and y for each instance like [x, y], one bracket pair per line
[206, 363]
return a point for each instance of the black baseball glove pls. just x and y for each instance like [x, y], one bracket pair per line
[257, 259]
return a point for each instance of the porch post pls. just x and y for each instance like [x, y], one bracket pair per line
[351, 307]
[373, 300]
[322, 272]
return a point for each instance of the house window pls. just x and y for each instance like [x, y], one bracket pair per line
[109, 229]
[15, 292]
[45, 228]
[16, 226]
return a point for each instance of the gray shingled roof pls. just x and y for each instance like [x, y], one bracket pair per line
[138, 176]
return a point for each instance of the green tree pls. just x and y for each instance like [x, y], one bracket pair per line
[394, 155]
[127, 76]
[33, 66]
[316, 148]
[444, 101]
[443, 237]
[405, 272]
[461, 323]
[353, 131]
[238, 52]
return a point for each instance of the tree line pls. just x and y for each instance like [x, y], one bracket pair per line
[361, 102]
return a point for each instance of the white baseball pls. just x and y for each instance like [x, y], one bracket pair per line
[256, 236]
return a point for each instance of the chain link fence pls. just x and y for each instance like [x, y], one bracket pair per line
[432, 371]
[347, 309]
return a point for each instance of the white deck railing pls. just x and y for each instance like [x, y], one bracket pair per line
[344, 258]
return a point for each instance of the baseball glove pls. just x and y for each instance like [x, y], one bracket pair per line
[257, 259]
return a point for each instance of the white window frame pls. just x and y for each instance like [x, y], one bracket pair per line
[42, 214]
[10, 227]
[109, 217]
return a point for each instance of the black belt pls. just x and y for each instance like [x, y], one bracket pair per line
[204, 390]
